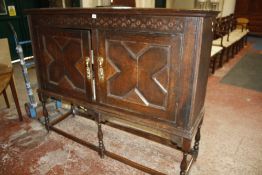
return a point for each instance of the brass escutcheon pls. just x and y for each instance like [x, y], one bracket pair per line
[100, 61]
[88, 70]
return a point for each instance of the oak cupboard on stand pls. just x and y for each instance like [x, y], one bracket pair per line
[143, 71]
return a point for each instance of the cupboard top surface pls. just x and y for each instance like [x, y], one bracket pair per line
[126, 11]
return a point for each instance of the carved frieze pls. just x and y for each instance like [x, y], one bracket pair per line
[134, 22]
[152, 23]
[65, 20]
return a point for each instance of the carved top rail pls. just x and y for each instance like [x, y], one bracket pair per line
[148, 23]
[161, 20]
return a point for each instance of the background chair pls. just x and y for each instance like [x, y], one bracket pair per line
[242, 23]
[6, 75]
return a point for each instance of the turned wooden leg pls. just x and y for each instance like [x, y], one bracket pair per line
[186, 149]
[232, 50]
[221, 58]
[100, 137]
[6, 99]
[228, 51]
[45, 113]
[43, 100]
[240, 45]
[197, 139]
[73, 111]
[13, 90]
[214, 64]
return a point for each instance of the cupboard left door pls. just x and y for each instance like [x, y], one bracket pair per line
[64, 62]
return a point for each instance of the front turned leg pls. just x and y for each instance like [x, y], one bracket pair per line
[45, 113]
[186, 149]
[73, 110]
[197, 139]
[43, 100]
[100, 136]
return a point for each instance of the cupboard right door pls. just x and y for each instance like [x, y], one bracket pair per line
[137, 72]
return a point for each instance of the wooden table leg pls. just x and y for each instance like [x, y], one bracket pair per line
[13, 90]
[6, 99]
[43, 100]
[197, 139]
[100, 136]
[186, 149]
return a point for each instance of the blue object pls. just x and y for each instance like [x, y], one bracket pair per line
[24, 42]
[58, 104]
[19, 50]
[32, 105]
[32, 112]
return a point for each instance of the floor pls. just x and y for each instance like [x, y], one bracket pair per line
[231, 141]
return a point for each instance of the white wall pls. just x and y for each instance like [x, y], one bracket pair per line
[94, 3]
[89, 3]
[139, 3]
[183, 4]
[145, 3]
[170, 3]
[228, 7]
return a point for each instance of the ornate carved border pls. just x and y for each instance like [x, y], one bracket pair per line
[135, 22]
[128, 22]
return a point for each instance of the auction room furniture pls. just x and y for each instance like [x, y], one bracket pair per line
[6, 75]
[250, 9]
[231, 35]
[140, 70]
[216, 54]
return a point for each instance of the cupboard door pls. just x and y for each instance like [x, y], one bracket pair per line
[64, 56]
[139, 72]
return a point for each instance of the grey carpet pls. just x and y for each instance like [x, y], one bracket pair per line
[247, 73]
[257, 41]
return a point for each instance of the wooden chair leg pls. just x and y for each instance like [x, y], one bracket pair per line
[240, 45]
[214, 64]
[235, 48]
[197, 139]
[227, 53]
[232, 51]
[73, 110]
[13, 90]
[221, 58]
[6, 99]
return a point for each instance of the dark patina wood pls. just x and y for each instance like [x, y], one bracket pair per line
[140, 70]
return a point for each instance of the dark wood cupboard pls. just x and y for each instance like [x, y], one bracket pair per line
[141, 70]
